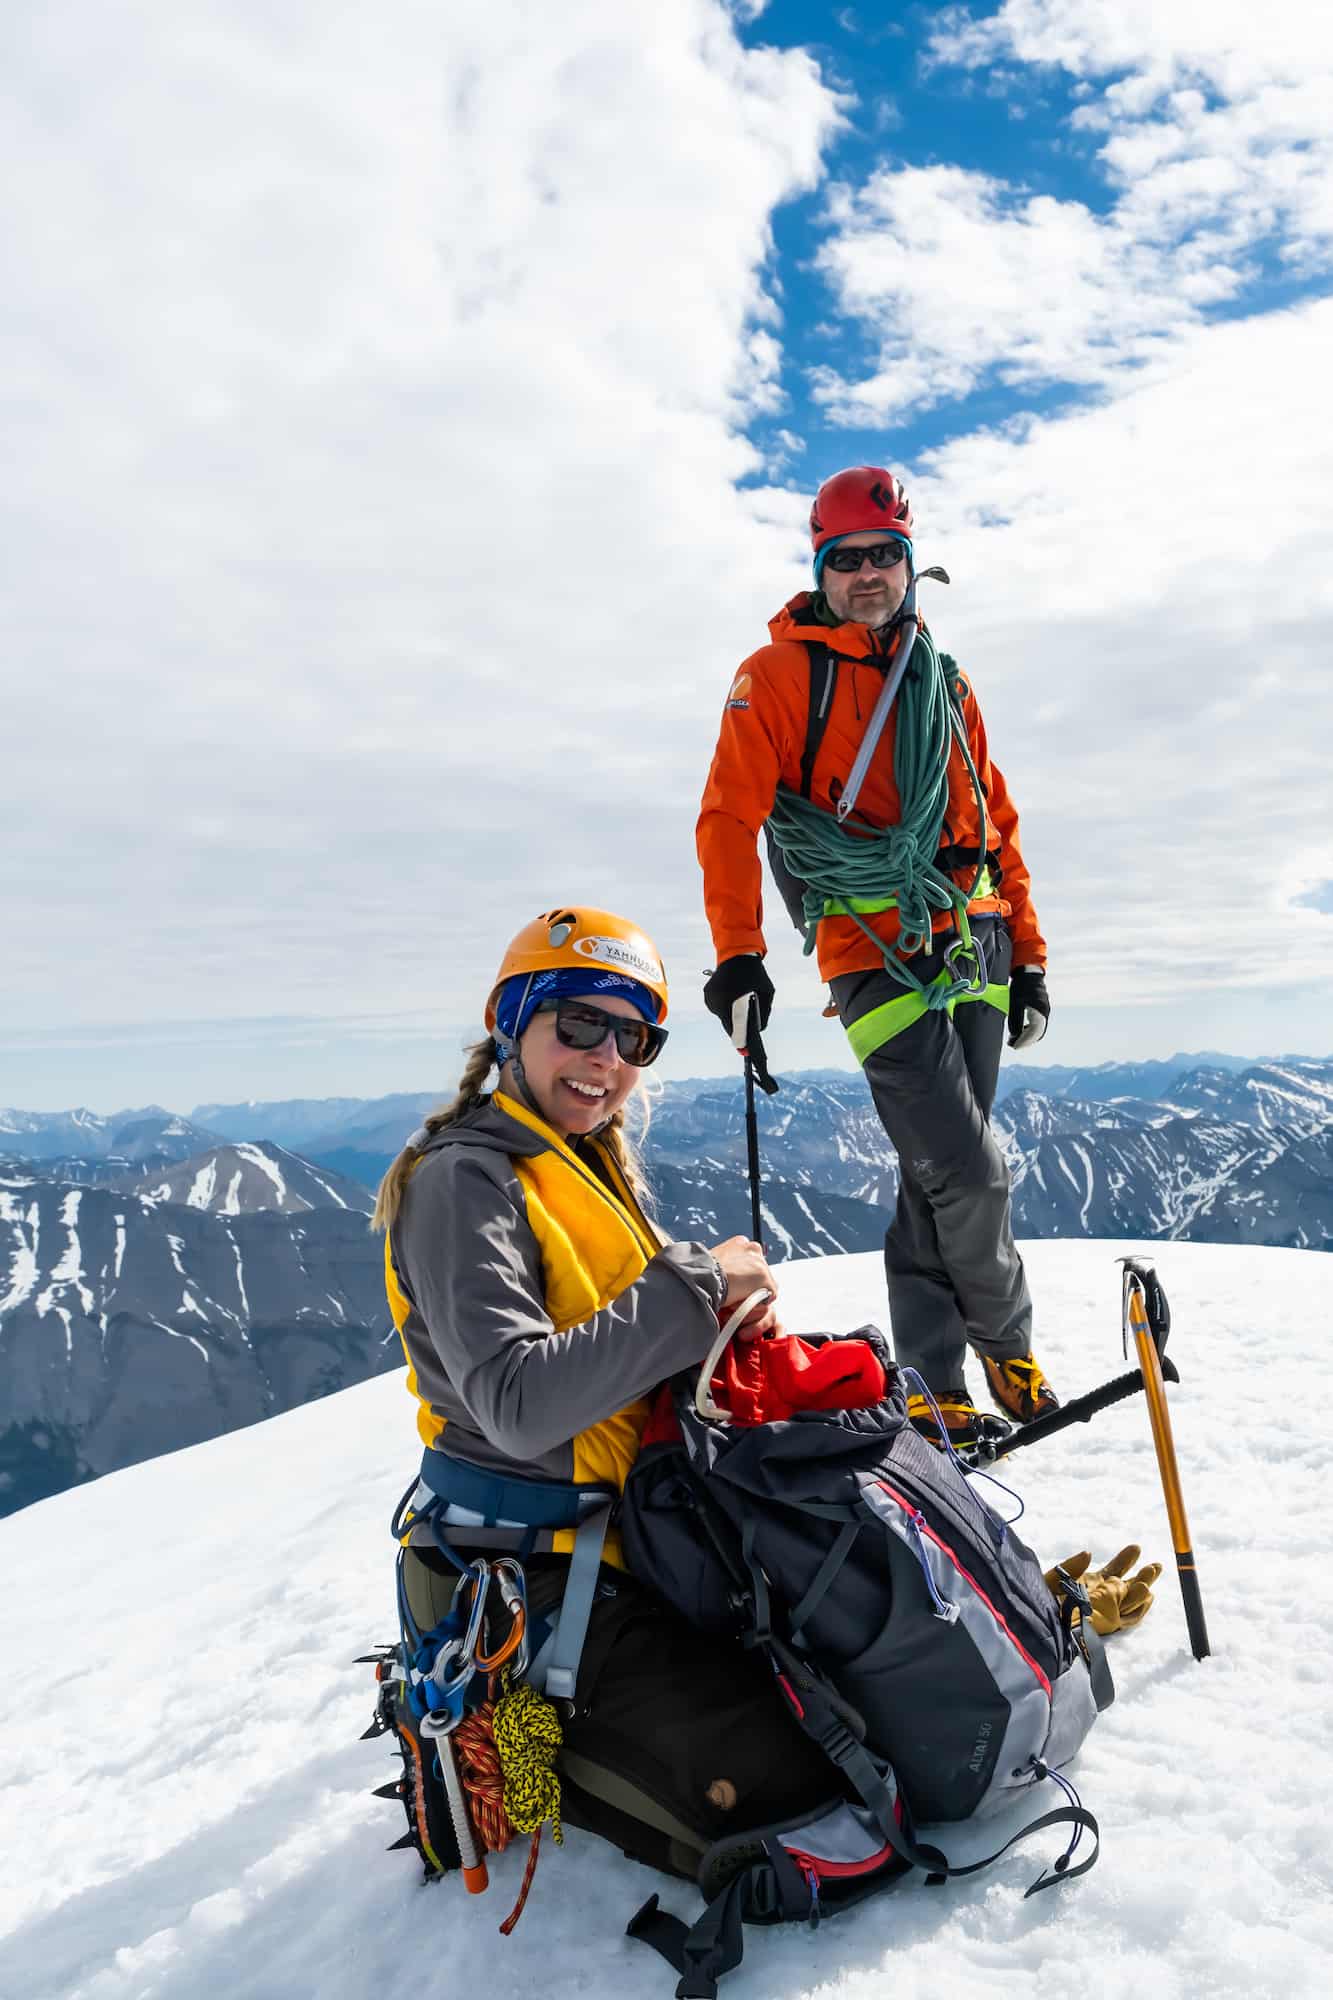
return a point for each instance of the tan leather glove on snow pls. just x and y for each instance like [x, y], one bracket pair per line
[1118, 1600]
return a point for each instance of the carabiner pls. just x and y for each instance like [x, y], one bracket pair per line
[478, 1574]
[965, 950]
[508, 1574]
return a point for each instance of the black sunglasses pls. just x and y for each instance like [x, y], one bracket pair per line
[580, 1025]
[883, 555]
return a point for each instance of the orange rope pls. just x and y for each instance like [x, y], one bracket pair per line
[483, 1780]
[528, 1874]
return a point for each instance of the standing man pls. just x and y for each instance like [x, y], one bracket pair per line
[860, 752]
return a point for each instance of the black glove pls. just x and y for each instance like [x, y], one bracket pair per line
[740, 993]
[730, 989]
[1029, 1006]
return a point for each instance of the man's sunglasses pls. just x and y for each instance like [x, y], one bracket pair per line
[579, 1025]
[882, 555]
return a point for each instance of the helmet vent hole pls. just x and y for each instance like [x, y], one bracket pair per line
[561, 928]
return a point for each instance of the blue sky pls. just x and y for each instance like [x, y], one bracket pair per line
[907, 110]
[410, 431]
[910, 103]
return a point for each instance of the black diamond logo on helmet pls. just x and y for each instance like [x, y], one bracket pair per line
[881, 496]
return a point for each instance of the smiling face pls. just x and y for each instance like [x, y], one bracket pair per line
[576, 1090]
[867, 596]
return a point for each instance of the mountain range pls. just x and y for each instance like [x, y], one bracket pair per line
[166, 1278]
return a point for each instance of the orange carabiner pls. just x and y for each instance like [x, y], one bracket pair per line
[488, 1662]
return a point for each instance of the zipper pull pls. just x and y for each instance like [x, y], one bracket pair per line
[945, 1608]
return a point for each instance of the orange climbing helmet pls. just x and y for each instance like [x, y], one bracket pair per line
[572, 938]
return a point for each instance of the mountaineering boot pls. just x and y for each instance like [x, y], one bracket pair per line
[1019, 1388]
[965, 1423]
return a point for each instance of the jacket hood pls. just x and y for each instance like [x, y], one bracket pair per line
[489, 1128]
[807, 616]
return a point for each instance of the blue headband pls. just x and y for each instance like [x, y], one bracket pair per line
[520, 996]
[833, 541]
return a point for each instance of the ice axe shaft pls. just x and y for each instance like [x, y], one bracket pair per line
[1137, 1324]
[1079, 1410]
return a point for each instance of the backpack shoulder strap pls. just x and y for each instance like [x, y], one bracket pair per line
[823, 679]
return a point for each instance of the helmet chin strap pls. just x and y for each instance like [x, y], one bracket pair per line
[522, 1089]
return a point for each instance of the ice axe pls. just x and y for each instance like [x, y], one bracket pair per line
[1143, 1302]
[1146, 1317]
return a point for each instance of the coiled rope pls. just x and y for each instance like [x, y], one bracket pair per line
[506, 1751]
[842, 862]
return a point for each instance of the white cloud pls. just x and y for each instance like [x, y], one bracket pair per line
[374, 385]
[960, 278]
[1142, 593]
[1217, 140]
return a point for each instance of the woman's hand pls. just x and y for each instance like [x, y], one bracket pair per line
[745, 1268]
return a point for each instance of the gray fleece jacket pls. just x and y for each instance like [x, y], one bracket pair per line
[482, 1346]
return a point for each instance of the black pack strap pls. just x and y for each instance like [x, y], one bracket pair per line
[1084, 1634]
[1099, 1667]
[823, 679]
[759, 1606]
[824, 1578]
[956, 857]
[1061, 1870]
[715, 1944]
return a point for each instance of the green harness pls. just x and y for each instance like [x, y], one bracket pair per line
[846, 866]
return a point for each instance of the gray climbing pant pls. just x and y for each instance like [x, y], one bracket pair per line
[955, 1277]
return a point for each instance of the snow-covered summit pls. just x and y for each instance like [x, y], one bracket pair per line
[187, 1806]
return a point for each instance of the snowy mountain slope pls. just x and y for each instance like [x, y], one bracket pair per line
[237, 1179]
[712, 1201]
[1025, 1117]
[39, 1133]
[132, 1324]
[223, 1179]
[148, 1134]
[187, 1806]
[1103, 1081]
[320, 1123]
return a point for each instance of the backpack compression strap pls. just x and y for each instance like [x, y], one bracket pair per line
[823, 1716]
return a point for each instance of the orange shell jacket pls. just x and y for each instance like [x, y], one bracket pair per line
[760, 746]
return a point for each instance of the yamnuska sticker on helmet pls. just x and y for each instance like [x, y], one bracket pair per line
[615, 952]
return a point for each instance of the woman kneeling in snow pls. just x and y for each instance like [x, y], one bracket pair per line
[538, 1308]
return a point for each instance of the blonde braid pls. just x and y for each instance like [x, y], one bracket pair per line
[481, 1059]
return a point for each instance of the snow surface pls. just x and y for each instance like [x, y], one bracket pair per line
[257, 1157]
[186, 1806]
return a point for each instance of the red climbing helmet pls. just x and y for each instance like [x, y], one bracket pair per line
[862, 497]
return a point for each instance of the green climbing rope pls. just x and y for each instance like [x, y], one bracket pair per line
[851, 868]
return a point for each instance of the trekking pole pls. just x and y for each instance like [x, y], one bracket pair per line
[1137, 1321]
[756, 1071]
[752, 1151]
